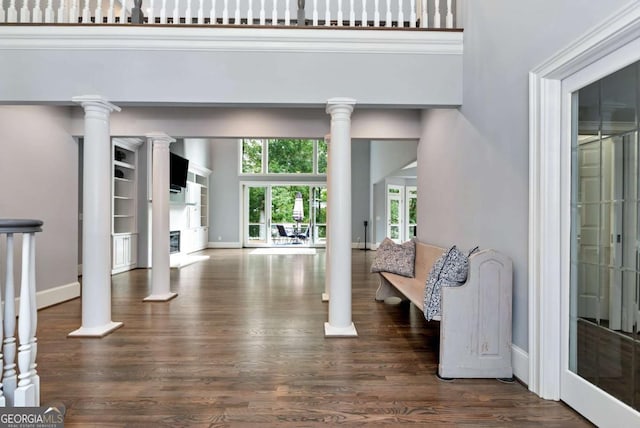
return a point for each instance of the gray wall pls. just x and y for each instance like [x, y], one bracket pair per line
[39, 172]
[360, 162]
[224, 194]
[221, 122]
[473, 162]
[147, 75]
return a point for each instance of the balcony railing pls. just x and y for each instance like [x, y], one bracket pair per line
[20, 382]
[431, 14]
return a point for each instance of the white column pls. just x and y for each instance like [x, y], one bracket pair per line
[339, 222]
[160, 267]
[327, 268]
[96, 221]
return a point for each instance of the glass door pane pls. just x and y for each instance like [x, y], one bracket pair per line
[604, 306]
[319, 216]
[412, 211]
[257, 217]
[394, 213]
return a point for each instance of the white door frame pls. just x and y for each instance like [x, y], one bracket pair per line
[407, 202]
[609, 47]
[268, 184]
[400, 196]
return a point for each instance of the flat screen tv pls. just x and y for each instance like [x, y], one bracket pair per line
[178, 167]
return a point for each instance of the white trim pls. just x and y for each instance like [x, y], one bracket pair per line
[210, 39]
[80, 269]
[520, 363]
[549, 181]
[224, 245]
[55, 295]
[200, 170]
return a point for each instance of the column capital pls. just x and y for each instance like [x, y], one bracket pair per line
[159, 138]
[340, 105]
[95, 102]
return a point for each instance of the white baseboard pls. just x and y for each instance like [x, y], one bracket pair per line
[360, 246]
[224, 245]
[53, 296]
[520, 362]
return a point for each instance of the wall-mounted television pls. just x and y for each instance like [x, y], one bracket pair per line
[178, 167]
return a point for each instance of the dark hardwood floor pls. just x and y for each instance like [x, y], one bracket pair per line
[243, 345]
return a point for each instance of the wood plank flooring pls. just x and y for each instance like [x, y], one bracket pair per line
[243, 345]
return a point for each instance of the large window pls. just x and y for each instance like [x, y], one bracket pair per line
[283, 156]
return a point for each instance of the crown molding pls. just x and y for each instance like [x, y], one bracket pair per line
[212, 39]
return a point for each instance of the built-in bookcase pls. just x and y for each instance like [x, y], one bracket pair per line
[124, 226]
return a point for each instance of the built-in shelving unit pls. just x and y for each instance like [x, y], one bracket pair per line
[124, 227]
[190, 211]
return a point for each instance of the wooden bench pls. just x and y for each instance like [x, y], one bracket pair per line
[475, 318]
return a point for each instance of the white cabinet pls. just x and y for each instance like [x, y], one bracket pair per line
[124, 203]
[125, 252]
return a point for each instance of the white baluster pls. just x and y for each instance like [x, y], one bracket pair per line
[2, 14]
[163, 12]
[201, 12]
[25, 393]
[436, 14]
[424, 20]
[387, 18]
[274, 13]
[413, 17]
[263, 17]
[25, 16]
[151, 12]
[364, 20]
[250, 13]
[236, 15]
[73, 12]
[352, 14]
[176, 12]
[376, 13]
[9, 380]
[212, 14]
[35, 379]
[110, 12]
[37, 13]
[62, 12]
[400, 14]
[12, 13]
[187, 13]
[340, 13]
[287, 13]
[327, 14]
[86, 13]
[123, 11]
[225, 13]
[98, 13]
[314, 14]
[449, 20]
